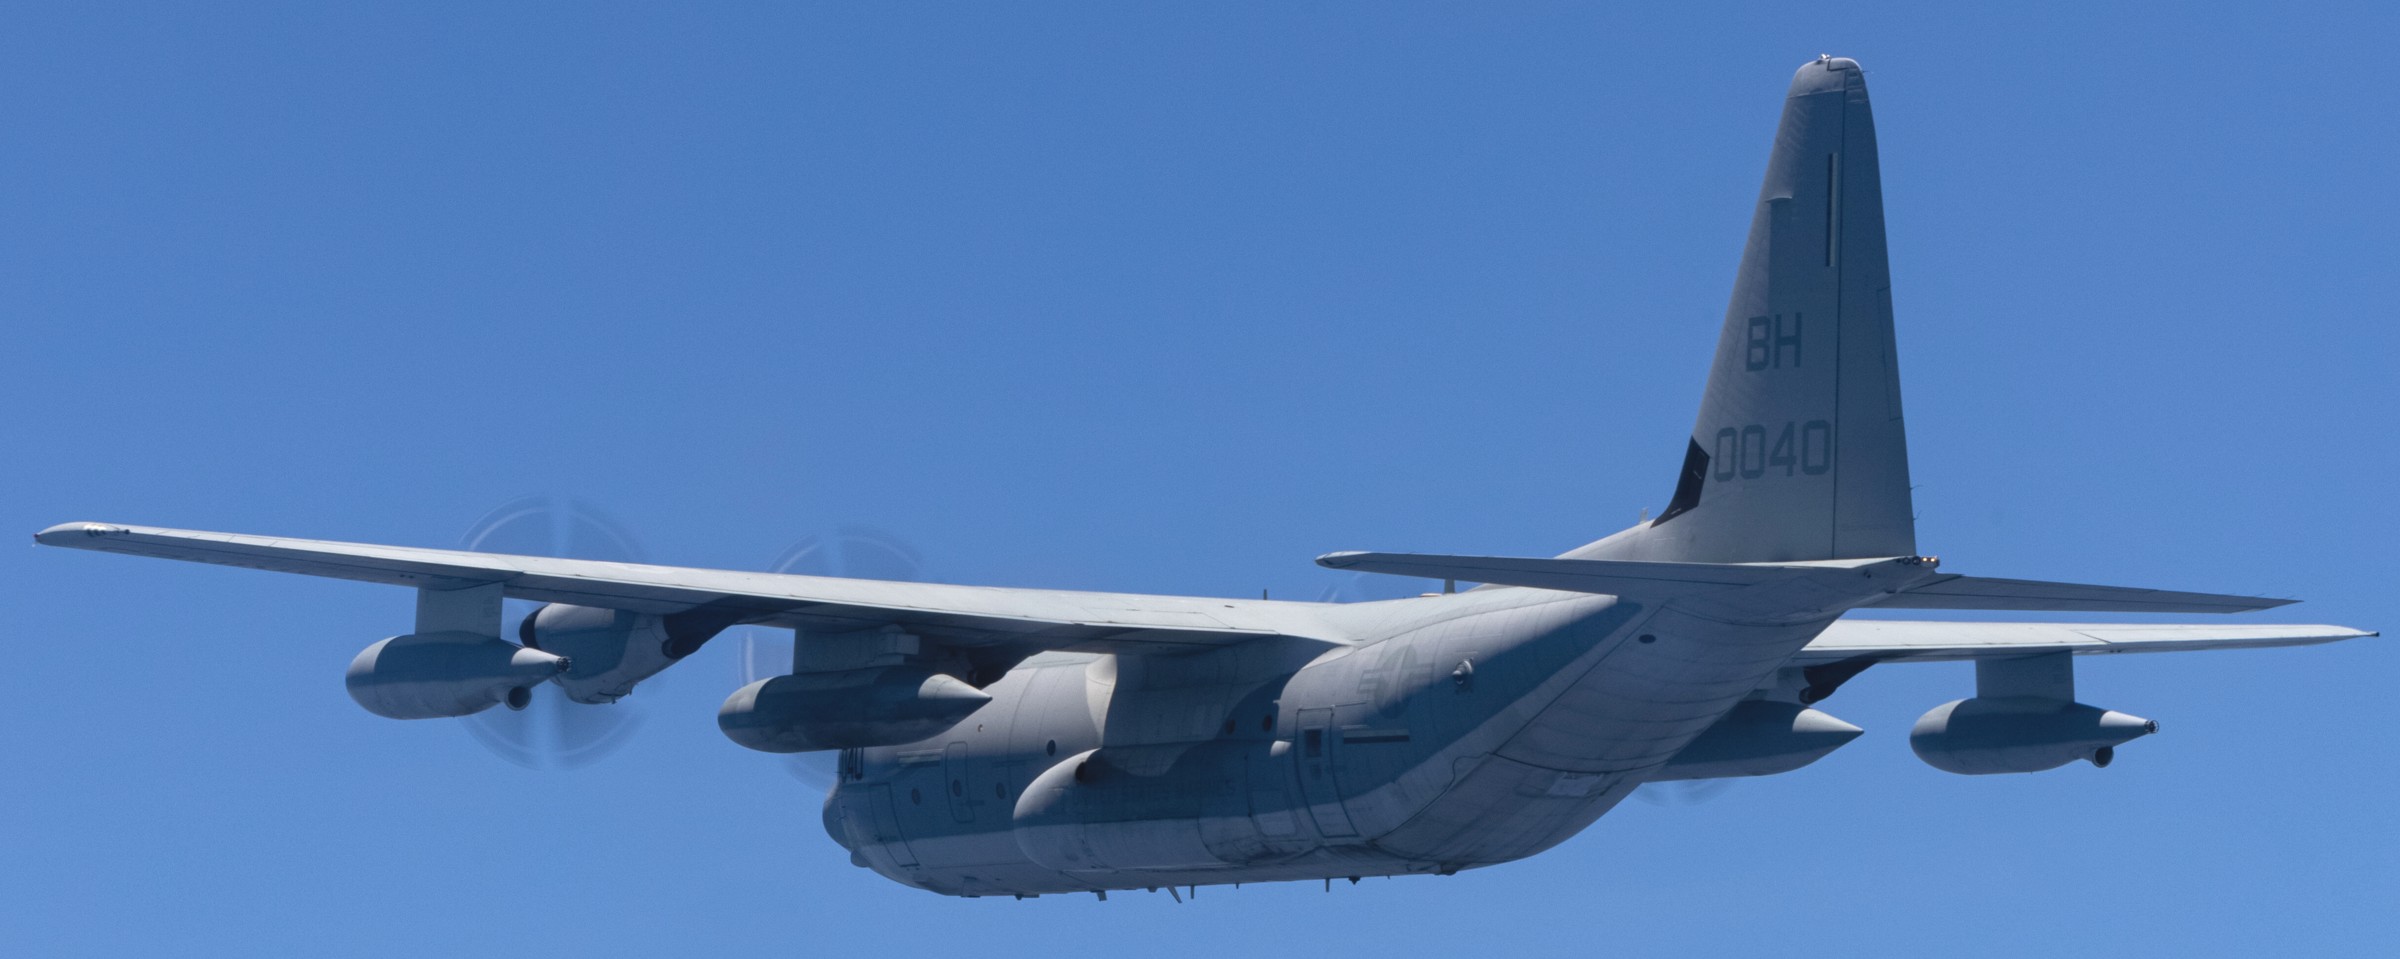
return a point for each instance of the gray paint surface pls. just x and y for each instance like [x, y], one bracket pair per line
[1139, 741]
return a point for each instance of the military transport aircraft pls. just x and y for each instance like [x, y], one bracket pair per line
[1020, 741]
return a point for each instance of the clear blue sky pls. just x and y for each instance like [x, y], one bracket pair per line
[1168, 300]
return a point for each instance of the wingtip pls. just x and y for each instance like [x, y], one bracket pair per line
[1340, 559]
[69, 534]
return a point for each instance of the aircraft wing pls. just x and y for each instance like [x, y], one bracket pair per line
[952, 615]
[1873, 640]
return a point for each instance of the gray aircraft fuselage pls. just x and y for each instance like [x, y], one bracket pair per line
[1464, 729]
[1483, 727]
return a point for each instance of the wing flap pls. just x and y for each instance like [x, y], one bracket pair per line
[965, 615]
[1984, 592]
[1904, 640]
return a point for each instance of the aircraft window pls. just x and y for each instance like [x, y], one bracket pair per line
[999, 791]
[1266, 724]
[1229, 726]
[1312, 743]
[915, 797]
[1051, 749]
[957, 788]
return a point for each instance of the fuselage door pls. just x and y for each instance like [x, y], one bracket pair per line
[1319, 755]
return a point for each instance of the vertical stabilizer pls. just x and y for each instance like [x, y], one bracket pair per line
[1799, 452]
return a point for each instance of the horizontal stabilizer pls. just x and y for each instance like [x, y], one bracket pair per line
[1620, 578]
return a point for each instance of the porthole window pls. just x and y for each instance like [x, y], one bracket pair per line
[915, 797]
[1051, 749]
[999, 791]
[957, 788]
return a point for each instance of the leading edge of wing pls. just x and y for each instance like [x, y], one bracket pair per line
[1053, 619]
[1934, 641]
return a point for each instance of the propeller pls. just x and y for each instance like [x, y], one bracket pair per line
[1682, 792]
[551, 731]
[1368, 587]
[855, 552]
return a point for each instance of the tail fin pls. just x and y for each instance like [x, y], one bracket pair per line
[1799, 452]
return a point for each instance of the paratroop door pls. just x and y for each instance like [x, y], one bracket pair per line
[1318, 756]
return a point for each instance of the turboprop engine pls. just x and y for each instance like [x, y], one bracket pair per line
[611, 649]
[443, 674]
[2020, 734]
[880, 706]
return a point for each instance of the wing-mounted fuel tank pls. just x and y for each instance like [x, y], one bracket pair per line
[855, 689]
[2023, 718]
[876, 706]
[1760, 738]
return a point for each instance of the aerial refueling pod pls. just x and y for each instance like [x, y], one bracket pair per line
[882, 706]
[443, 674]
[2020, 734]
[2023, 718]
[1760, 738]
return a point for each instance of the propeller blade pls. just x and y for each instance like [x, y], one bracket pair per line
[552, 731]
[856, 552]
[1682, 792]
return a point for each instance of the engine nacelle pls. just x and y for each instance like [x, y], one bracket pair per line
[883, 706]
[611, 649]
[438, 675]
[2020, 734]
[1760, 738]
